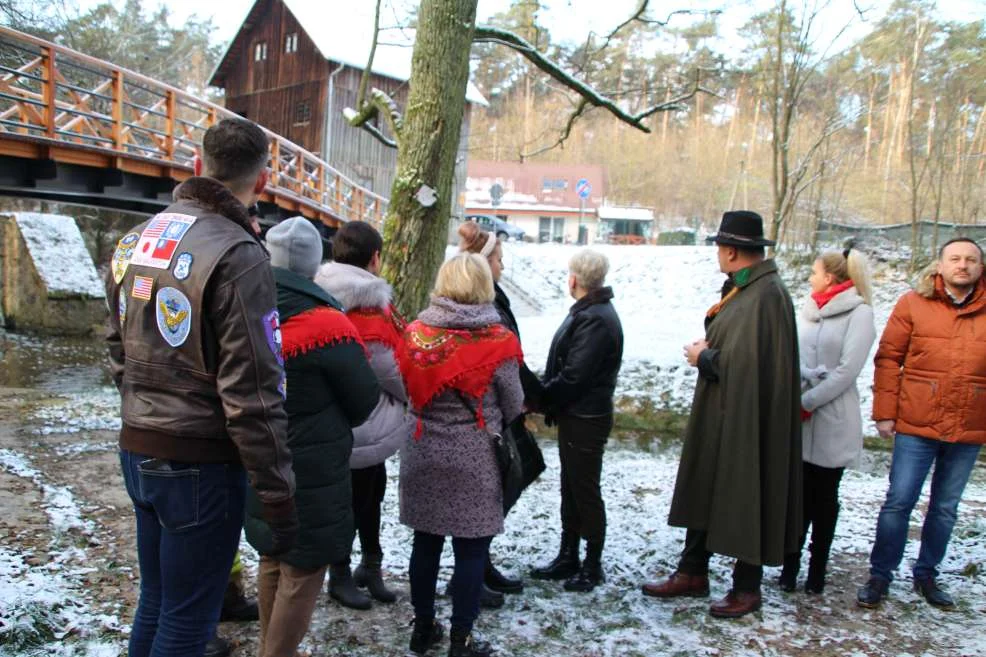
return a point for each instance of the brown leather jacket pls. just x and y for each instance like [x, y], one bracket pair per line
[931, 365]
[194, 340]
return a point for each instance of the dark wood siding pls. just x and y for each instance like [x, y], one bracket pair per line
[275, 91]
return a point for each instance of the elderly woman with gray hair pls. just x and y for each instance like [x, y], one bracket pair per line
[579, 381]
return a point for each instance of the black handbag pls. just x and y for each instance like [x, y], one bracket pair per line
[531, 458]
[508, 460]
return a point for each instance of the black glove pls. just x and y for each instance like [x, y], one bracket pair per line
[282, 518]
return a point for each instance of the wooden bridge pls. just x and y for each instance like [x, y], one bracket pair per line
[77, 129]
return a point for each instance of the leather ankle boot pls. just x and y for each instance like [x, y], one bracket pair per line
[591, 574]
[427, 633]
[368, 575]
[464, 644]
[565, 564]
[343, 589]
[815, 582]
[497, 581]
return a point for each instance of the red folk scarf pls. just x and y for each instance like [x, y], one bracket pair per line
[316, 328]
[822, 298]
[434, 359]
[378, 325]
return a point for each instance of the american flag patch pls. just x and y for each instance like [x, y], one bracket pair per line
[142, 287]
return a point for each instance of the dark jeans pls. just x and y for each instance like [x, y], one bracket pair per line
[467, 576]
[189, 517]
[369, 486]
[581, 443]
[821, 510]
[695, 561]
[913, 457]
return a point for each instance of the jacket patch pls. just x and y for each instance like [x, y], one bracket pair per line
[174, 316]
[272, 329]
[142, 287]
[183, 266]
[122, 305]
[121, 257]
[160, 240]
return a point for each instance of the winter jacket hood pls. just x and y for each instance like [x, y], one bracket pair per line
[354, 287]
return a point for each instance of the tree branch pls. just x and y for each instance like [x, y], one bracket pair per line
[590, 96]
[379, 105]
[565, 133]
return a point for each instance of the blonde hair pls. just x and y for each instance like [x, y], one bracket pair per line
[853, 266]
[465, 278]
[589, 268]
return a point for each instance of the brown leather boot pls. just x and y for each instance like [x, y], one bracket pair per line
[678, 585]
[736, 604]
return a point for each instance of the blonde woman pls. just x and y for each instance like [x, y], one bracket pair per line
[460, 365]
[836, 333]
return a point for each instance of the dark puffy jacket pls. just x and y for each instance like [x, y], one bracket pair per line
[331, 389]
[585, 358]
[191, 339]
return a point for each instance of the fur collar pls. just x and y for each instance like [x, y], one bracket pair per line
[215, 197]
[354, 287]
[841, 303]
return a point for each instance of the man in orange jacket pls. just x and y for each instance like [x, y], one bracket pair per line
[930, 395]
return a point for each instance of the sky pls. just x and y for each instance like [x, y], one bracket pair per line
[572, 20]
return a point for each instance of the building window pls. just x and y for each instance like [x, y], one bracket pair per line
[291, 43]
[303, 112]
[551, 184]
[260, 51]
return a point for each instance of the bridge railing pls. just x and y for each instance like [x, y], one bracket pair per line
[54, 94]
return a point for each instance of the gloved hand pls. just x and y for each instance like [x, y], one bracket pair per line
[282, 518]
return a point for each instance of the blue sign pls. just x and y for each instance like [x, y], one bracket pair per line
[583, 188]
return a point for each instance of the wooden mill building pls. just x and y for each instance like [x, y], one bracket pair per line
[294, 65]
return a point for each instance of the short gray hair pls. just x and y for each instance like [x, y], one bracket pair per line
[589, 268]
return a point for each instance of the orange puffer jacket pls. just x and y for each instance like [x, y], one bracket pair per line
[931, 365]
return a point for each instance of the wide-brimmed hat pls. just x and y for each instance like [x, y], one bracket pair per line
[740, 228]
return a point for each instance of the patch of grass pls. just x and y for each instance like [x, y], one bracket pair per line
[29, 626]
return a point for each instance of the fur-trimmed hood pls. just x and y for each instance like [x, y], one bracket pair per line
[354, 287]
[215, 197]
[931, 285]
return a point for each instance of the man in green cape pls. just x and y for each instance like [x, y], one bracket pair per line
[738, 491]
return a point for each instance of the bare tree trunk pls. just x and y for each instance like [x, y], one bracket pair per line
[416, 231]
[869, 125]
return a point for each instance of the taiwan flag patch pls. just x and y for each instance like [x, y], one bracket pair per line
[160, 239]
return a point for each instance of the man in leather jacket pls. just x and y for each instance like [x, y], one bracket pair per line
[194, 347]
[579, 382]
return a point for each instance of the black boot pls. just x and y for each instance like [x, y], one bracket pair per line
[343, 589]
[236, 605]
[368, 575]
[591, 574]
[565, 564]
[463, 644]
[497, 581]
[488, 598]
[788, 581]
[217, 647]
[815, 582]
[426, 635]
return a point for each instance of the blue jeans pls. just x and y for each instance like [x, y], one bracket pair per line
[913, 457]
[467, 577]
[189, 517]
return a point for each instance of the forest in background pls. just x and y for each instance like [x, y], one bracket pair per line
[890, 129]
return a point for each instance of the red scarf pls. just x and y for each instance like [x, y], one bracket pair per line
[378, 325]
[822, 298]
[435, 359]
[316, 328]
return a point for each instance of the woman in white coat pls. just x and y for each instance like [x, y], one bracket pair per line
[836, 333]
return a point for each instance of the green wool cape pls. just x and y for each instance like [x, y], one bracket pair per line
[739, 478]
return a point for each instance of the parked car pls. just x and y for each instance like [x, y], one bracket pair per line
[497, 226]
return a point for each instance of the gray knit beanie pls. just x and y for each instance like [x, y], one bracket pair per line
[295, 244]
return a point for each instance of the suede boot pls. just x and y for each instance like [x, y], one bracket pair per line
[463, 644]
[565, 564]
[591, 574]
[342, 588]
[368, 575]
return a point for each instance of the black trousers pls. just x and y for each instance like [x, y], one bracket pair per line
[695, 561]
[581, 443]
[821, 510]
[369, 486]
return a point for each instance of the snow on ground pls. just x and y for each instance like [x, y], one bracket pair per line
[59, 504]
[60, 254]
[662, 294]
